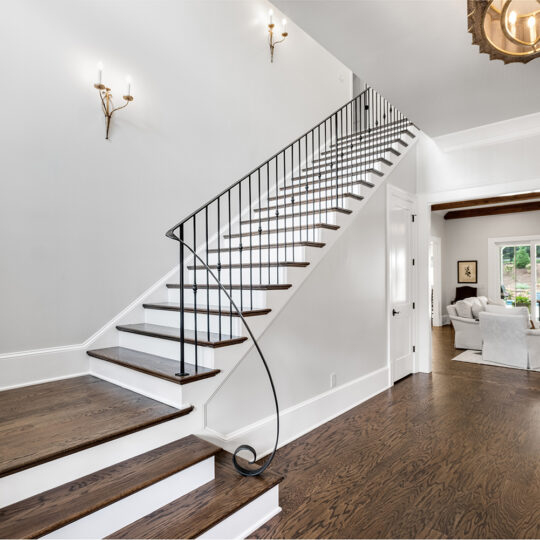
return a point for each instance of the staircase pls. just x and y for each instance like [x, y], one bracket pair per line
[115, 456]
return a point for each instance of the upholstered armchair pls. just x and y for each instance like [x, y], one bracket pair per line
[507, 339]
[467, 330]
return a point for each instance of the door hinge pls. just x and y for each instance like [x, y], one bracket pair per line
[413, 262]
[414, 348]
[414, 305]
[413, 217]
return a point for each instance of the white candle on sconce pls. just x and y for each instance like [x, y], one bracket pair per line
[284, 23]
[100, 71]
[271, 14]
[512, 20]
[531, 23]
[128, 82]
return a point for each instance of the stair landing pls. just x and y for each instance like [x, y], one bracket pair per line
[47, 421]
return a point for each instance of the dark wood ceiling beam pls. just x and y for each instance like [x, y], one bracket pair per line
[493, 210]
[485, 201]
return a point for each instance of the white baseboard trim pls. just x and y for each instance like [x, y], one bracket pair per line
[445, 320]
[303, 417]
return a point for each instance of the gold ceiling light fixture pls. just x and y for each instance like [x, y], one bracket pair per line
[507, 30]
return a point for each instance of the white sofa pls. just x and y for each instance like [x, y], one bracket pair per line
[464, 318]
[507, 339]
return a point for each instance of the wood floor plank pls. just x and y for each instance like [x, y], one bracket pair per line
[46, 421]
[55, 508]
[454, 454]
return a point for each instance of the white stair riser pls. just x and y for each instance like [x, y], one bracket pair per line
[111, 518]
[328, 163]
[172, 319]
[167, 348]
[246, 276]
[307, 235]
[248, 519]
[317, 205]
[377, 139]
[354, 148]
[298, 253]
[258, 297]
[290, 221]
[329, 191]
[30, 482]
[330, 174]
[300, 188]
[156, 388]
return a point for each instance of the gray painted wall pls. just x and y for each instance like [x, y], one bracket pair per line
[335, 323]
[82, 220]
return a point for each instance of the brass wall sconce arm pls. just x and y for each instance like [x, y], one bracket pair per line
[107, 104]
[271, 40]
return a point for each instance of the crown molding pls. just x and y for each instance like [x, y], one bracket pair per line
[512, 129]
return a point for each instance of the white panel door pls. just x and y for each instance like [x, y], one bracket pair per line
[400, 268]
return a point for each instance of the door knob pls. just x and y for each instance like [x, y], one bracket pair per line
[394, 312]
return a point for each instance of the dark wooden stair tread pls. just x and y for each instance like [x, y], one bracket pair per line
[359, 150]
[263, 247]
[57, 507]
[157, 366]
[342, 164]
[46, 421]
[214, 310]
[291, 264]
[328, 226]
[173, 334]
[235, 287]
[298, 214]
[334, 176]
[310, 201]
[193, 514]
[330, 186]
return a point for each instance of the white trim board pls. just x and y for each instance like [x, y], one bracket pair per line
[511, 129]
[303, 417]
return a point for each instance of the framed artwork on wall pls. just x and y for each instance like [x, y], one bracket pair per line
[467, 271]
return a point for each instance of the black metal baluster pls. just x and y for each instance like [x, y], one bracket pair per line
[260, 227]
[195, 294]
[250, 248]
[284, 153]
[207, 278]
[219, 260]
[182, 372]
[240, 245]
[277, 218]
[230, 265]
[293, 190]
[268, 216]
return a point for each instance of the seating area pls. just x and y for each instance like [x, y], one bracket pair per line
[505, 335]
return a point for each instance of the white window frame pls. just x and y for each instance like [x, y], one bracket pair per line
[494, 262]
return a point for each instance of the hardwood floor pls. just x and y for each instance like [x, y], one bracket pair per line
[454, 454]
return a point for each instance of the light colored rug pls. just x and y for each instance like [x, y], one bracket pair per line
[475, 357]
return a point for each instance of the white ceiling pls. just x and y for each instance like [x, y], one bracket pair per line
[419, 54]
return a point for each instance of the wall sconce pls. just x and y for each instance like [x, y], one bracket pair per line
[271, 41]
[106, 99]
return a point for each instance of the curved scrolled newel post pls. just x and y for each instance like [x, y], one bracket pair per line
[246, 447]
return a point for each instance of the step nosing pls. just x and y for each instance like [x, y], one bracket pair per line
[199, 451]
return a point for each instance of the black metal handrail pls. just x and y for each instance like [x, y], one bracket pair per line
[293, 191]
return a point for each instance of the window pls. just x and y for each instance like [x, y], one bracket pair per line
[520, 274]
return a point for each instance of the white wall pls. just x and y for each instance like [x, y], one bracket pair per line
[335, 323]
[82, 220]
[467, 239]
